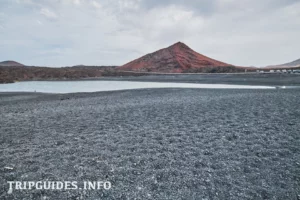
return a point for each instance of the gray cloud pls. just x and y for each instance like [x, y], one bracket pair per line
[48, 13]
[100, 32]
[202, 7]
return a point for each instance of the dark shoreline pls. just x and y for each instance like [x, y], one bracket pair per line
[236, 79]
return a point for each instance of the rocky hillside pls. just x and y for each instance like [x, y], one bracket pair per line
[295, 63]
[10, 74]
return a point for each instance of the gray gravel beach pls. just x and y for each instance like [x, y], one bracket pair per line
[154, 143]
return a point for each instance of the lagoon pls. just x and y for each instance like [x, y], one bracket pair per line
[98, 86]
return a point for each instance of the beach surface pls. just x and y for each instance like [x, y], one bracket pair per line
[154, 143]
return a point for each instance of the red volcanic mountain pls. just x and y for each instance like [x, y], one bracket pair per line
[177, 58]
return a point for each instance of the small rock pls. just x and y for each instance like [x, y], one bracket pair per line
[9, 168]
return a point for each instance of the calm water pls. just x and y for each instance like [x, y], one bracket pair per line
[95, 86]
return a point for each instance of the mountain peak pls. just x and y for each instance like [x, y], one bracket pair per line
[180, 45]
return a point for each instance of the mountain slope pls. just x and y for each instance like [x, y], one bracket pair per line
[10, 63]
[295, 63]
[176, 58]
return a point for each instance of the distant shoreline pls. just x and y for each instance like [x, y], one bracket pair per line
[238, 79]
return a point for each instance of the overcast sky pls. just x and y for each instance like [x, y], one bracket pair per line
[102, 32]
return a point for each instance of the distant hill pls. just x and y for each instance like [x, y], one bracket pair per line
[10, 63]
[178, 58]
[10, 74]
[295, 63]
